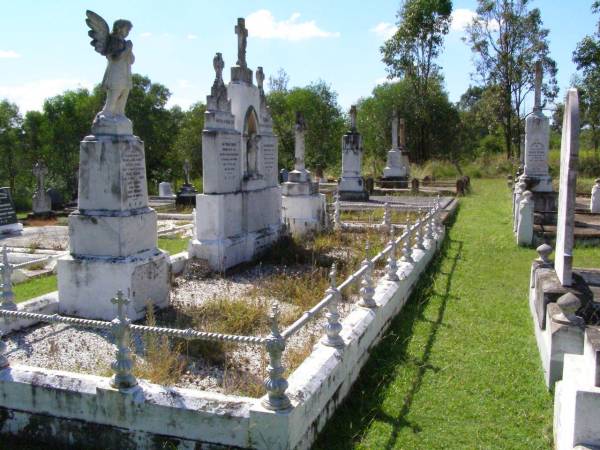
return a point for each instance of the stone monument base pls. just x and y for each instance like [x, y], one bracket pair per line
[222, 254]
[353, 189]
[303, 213]
[235, 227]
[394, 182]
[545, 207]
[86, 285]
[11, 228]
[186, 196]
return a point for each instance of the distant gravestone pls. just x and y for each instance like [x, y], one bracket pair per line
[8, 216]
[595, 200]
[41, 202]
[165, 190]
[352, 185]
[569, 154]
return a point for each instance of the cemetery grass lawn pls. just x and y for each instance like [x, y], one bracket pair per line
[173, 245]
[459, 367]
[34, 288]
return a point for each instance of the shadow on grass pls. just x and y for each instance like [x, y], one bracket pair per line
[364, 403]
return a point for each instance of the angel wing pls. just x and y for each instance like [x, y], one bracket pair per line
[99, 32]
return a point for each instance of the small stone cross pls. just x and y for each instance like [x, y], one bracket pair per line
[242, 34]
[120, 301]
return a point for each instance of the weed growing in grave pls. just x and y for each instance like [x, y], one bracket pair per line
[162, 362]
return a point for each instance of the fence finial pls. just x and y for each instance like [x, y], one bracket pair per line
[333, 327]
[275, 384]
[123, 366]
[406, 247]
[392, 266]
[367, 290]
[8, 297]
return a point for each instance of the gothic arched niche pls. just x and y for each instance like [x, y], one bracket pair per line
[251, 138]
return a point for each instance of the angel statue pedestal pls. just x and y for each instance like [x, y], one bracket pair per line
[112, 234]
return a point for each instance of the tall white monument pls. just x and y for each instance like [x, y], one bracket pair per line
[303, 207]
[567, 191]
[397, 169]
[238, 216]
[352, 185]
[112, 235]
[537, 144]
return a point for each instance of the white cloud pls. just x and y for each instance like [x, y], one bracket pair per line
[9, 54]
[462, 17]
[384, 30]
[146, 34]
[383, 80]
[192, 36]
[31, 95]
[262, 24]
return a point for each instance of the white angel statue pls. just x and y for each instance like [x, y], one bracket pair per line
[118, 51]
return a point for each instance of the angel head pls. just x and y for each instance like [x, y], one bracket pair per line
[121, 28]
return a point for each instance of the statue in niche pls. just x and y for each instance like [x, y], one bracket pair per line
[119, 52]
[252, 156]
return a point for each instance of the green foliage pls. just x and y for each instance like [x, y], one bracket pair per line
[172, 244]
[410, 54]
[324, 120]
[375, 116]
[507, 39]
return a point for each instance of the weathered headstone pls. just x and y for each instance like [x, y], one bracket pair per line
[303, 208]
[238, 216]
[569, 155]
[525, 220]
[352, 184]
[165, 190]
[8, 215]
[536, 175]
[113, 233]
[595, 200]
[41, 203]
[396, 171]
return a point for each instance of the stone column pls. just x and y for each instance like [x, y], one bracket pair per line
[299, 174]
[526, 216]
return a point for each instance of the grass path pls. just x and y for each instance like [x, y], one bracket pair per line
[459, 367]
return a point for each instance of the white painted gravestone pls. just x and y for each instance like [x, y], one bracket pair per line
[41, 202]
[595, 200]
[303, 208]
[165, 190]
[112, 235]
[352, 185]
[397, 168]
[569, 153]
[8, 216]
[238, 215]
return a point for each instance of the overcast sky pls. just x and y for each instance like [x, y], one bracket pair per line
[44, 47]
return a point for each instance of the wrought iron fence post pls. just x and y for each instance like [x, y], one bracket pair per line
[275, 384]
[8, 298]
[332, 337]
[392, 266]
[123, 366]
[367, 291]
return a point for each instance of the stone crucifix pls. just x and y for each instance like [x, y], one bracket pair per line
[395, 130]
[353, 118]
[40, 171]
[299, 132]
[537, 104]
[186, 171]
[242, 34]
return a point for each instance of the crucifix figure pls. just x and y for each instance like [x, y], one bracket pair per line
[353, 118]
[537, 105]
[242, 34]
[40, 171]
[186, 171]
